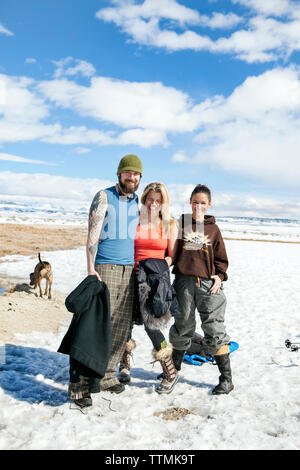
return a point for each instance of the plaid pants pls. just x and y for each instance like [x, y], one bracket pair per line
[120, 282]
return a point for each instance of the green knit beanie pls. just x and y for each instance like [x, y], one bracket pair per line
[130, 163]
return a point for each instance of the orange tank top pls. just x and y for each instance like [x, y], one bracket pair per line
[149, 243]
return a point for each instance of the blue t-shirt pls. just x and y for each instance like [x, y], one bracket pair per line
[118, 230]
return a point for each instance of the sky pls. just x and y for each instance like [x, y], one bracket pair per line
[203, 91]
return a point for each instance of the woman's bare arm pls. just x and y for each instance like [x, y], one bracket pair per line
[172, 243]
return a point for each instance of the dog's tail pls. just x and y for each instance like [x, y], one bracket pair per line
[44, 263]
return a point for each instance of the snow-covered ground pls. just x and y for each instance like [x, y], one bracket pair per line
[263, 411]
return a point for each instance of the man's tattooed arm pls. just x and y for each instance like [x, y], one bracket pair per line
[96, 217]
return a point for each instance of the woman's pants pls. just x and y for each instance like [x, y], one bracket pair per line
[211, 307]
[156, 336]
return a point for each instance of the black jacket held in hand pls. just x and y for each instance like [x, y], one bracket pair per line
[88, 339]
[157, 296]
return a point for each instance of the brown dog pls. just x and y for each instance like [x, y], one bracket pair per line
[42, 270]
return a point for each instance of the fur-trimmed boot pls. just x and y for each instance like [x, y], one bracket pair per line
[124, 369]
[170, 374]
[225, 385]
[177, 357]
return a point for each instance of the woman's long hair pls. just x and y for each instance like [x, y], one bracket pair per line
[164, 213]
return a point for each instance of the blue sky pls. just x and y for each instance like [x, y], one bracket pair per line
[203, 91]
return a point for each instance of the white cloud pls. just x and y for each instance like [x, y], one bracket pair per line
[17, 159]
[141, 22]
[270, 28]
[82, 150]
[82, 135]
[146, 138]
[130, 10]
[125, 13]
[274, 91]
[30, 60]
[270, 7]
[264, 150]
[145, 105]
[5, 31]
[64, 67]
[181, 156]
[220, 20]
[25, 107]
[76, 135]
[255, 130]
[50, 186]
[18, 102]
[20, 131]
[264, 40]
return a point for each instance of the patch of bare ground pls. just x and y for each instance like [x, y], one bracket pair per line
[18, 239]
[23, 311]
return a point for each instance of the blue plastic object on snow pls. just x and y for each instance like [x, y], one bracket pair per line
[197, 360]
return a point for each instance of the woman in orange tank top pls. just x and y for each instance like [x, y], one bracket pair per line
[155, 238]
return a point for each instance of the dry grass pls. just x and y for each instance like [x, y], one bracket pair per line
[173, 414]
[17, 239]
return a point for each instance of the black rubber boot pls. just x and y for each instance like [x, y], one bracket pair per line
[178, 357]
[225, 385]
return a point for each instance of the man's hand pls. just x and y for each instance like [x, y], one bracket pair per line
[94, 273]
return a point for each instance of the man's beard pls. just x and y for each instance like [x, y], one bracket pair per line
[125, 189]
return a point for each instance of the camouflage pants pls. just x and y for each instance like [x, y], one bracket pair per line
[120, 282]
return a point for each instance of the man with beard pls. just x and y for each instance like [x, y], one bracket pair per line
[113, 220]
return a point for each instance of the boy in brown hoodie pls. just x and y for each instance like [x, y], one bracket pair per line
[200, 266]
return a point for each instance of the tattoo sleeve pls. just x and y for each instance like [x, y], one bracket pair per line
[96, 218]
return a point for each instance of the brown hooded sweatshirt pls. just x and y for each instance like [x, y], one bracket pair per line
[199, 254]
